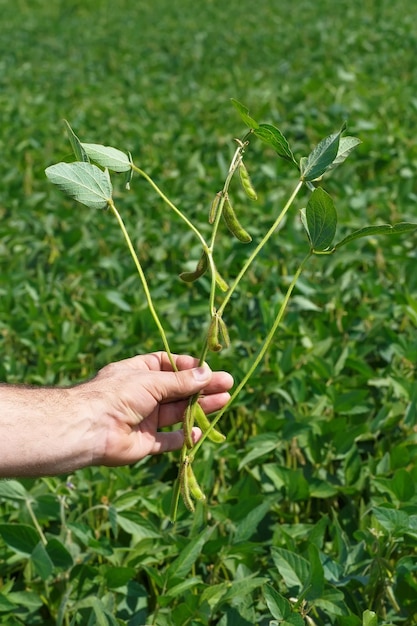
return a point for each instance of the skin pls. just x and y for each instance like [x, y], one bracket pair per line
[119, 417]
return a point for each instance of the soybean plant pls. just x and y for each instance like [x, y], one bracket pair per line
[88, 181]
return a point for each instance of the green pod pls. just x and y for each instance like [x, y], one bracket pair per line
[204, 423]
[185, 487]
[233, 223]
[213, 343]
[188, 423]
[202, 266]
[220, 282]
[224, 333]
[246, 182]
[194, 487]
[214, 207]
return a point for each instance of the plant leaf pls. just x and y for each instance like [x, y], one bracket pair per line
[279, 607]
[84, 182]
[369, 618]
[320, 220]
[273, 137]
[41, 561]
[320, 159]
[187, 557]
[244, 114]
[80, 153]
[20, 537]
[346, 146]
[294, 569]
[381, 229]
[13, 490]
[109, 157]
[315, 586]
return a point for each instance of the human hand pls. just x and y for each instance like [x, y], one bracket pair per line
[132, 400]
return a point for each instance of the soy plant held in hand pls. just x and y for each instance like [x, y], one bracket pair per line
[88, 181]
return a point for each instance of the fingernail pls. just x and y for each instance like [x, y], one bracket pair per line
[202, 373]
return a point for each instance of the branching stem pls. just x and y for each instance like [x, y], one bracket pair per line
[265, 346]
[144, 283]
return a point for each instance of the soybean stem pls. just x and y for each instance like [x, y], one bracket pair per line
[259, 247]
[144, 284]
[171, 205]
[234, 164]
[261, 353]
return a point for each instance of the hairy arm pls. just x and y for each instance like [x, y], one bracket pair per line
[117, 418]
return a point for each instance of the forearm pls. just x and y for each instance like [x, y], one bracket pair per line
[43, 431]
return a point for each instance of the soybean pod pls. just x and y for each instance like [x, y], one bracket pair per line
[214, 207]
[221, 283]
[194, 487]
[185, 487]
[188, 423]
[246, 182]
[201, 269]
[213, 343]
[204, 423]
[224, 333]
[233, 223]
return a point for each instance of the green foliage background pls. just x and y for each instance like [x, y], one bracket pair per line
[313, 496]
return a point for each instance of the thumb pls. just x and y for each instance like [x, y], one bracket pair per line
[182, 384]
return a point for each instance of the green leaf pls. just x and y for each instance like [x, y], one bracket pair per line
[391, 520]
[369, 618]
[109, 157]
[320, 159]
[294, 569]
[5, 605]
[80, 153]
[403, 486]
[20, 537]
[382, 229]
[346, 146]
[41, 561]
[116, 577]
[273, 137]
[260, 445]
[84, 182]
[115, 298]
[59, 554]
[28, 599]
[177, 590]
[279, 606]
[294, 620]
[243, 587]
[13, 490]
[188, 556]
[247, 527]
[244, 114]
[134, 523]
[315, 585]
[321, 220]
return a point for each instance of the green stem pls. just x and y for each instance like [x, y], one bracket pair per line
[144, 284]
[259, 247]
[171, 205]
[35, 521]
[234, 164]
[265, 346]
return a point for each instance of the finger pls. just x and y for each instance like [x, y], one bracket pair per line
[173, 413]
[155, 361]
[160, 361]
[213, 403]
[167, 442]
[220, 381]
[169, 386]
